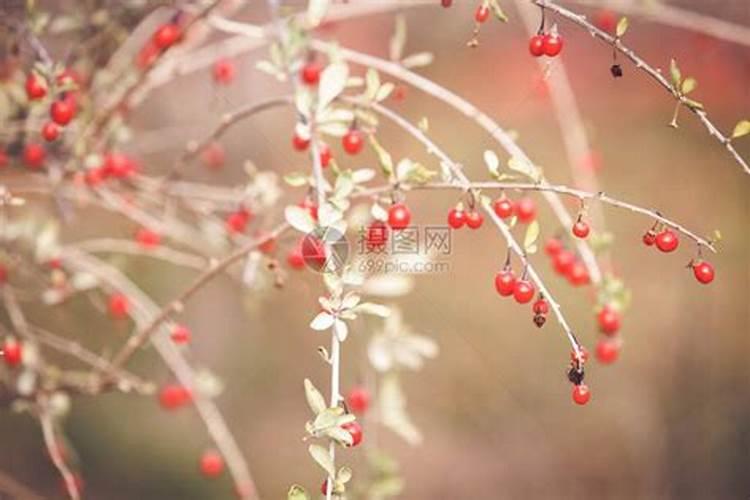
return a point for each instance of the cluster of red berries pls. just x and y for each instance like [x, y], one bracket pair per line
[540, 308]
[667, 241]
[237, 221]
[12, 352]
[524, 209]
[164, 37]
[507, 284]
[546, 44]
[566, 263]
[114, 165]
[458, 217]
[608, 347]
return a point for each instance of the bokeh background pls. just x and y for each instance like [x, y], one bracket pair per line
[671, 419]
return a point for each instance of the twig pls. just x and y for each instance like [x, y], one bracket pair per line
[112, 245]
[53, 448]
[654, 73]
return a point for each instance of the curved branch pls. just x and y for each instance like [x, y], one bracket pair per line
[651, 71]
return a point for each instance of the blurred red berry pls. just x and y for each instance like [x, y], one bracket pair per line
[12, 352]
[456, 218]
[211, 464]
[224, 71]
[355, 430]
[36, 87]
[505, 282]
[474, 219]
[119, 306]
[581, 229]
[50, 131]
[524, 291]
[62, 111]
[553, 44]
[607, 351]
[166, 36]
[147, 238]
[482, 13]
[358, 400]
[353, 142]
[181, 334]
[173, 396]
[310, 73]
[525, 209]
[581, 394]
[536, 45]
[34, 155]
[609, 320]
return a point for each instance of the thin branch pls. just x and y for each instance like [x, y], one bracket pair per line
[53, 448]
[650, 70]
[113, 245]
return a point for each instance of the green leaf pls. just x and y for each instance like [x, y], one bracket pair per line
[688, 85]
[622, 27]
[296, 179]
[323, 458]
[384, 158]
[384, 91]
[498, 11]
[297, 492]
[674, 71]
[344, 475]
[492, 162]
[332, 83]
[741, 129]
[532, 234]
[316, 11]
[299, 218]
[372, 84]
[693, 104]
[314, 398]
[398, 40]
[418, 60]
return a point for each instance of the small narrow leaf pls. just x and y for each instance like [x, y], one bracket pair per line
[398, 40]
[622, 27]
[316, 11]
[492, 162]
[332, 83]
[498, 11]
[674, 71]
[321, 456]
[299, 218]
[314, 398]
[418, 60]
[688, 85]
[741, 129]
[323, 321]
[532, 233]
[297, 492]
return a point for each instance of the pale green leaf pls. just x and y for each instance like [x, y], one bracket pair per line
[532, 234]
[323, 458]
[674, 71]
[418, 60]
[297, 492]
[299, 218]
[622, 27]
[741, 129]
[316, 11]
[688, 85]
[398, 40]
[314, 398]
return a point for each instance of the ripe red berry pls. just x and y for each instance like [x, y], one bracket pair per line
[325, 155]
[605, 20]
[581, 394]
[446, 3]
[211, 464]
[36, 87]
[119, 306]
[324, 487]
[703, 271]
[505, 282]
[62, 111]
[237, 221]
[50, 131]
[300, 143]
[541, 306]
[399, 216]
[578, 275]
[295, 258]
[12, 352]
[667, 241]
[536, 45]
[34, 155]
[213, 156]
[524, 291]
[525, 209]
[583, 358]
[563, 261]
[607, 351]
[267, 243]
[166, 36]
[147, 55]
[95, 176]
[376, 236]
[482, 13]
[224, 71]
[581, 229]
[456, 218]
[503, 207]
[474, 219]
[119, 165]
[310, 73]
[649, 238]
[147, 238]
[609, 320]
[181, 334]
[353, 142]
[553, 44]
[358, 400]
[355, 430]
[173, 396]
[553, 246]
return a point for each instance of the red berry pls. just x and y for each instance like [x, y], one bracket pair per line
[173, 396]
[358, 400]
[649, 238]
[166, 36]
[505, 282]
[36, 87]
[315, 252]
[119, 165]
[310, 206]
[667, 241]
[456, 218]
[581, 394]
[399, 216]
[50, 131]
[34, 155]
[563, 261]
[482, 13]
[503, 207]
[609, 320]
[355, 431]
[267, 244]
[376, 236]
[578, 275]
[474, 219]
[399, 93]
[311, 73]
[581, 229]
[224, 71]
[553, 44]
[181, 334]
[324, 487]
[524, 291]
[353, 142]
[536, 45]
[147, 55]
[703, 271]
[147, 238]
[211, 465]
[213, 156]
[300, 143]
[95, 176]
[553, 246]
[295, 258]
[62, 111]
[525, 210]
[541, 306]
[119, 306]
[12, 352]
[607, 351]
[446, 3]
[325, 155]
[3, 158]
[236, 222]
[584, 356]
[605, 20]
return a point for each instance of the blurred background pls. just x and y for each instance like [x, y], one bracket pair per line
[671, 419]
